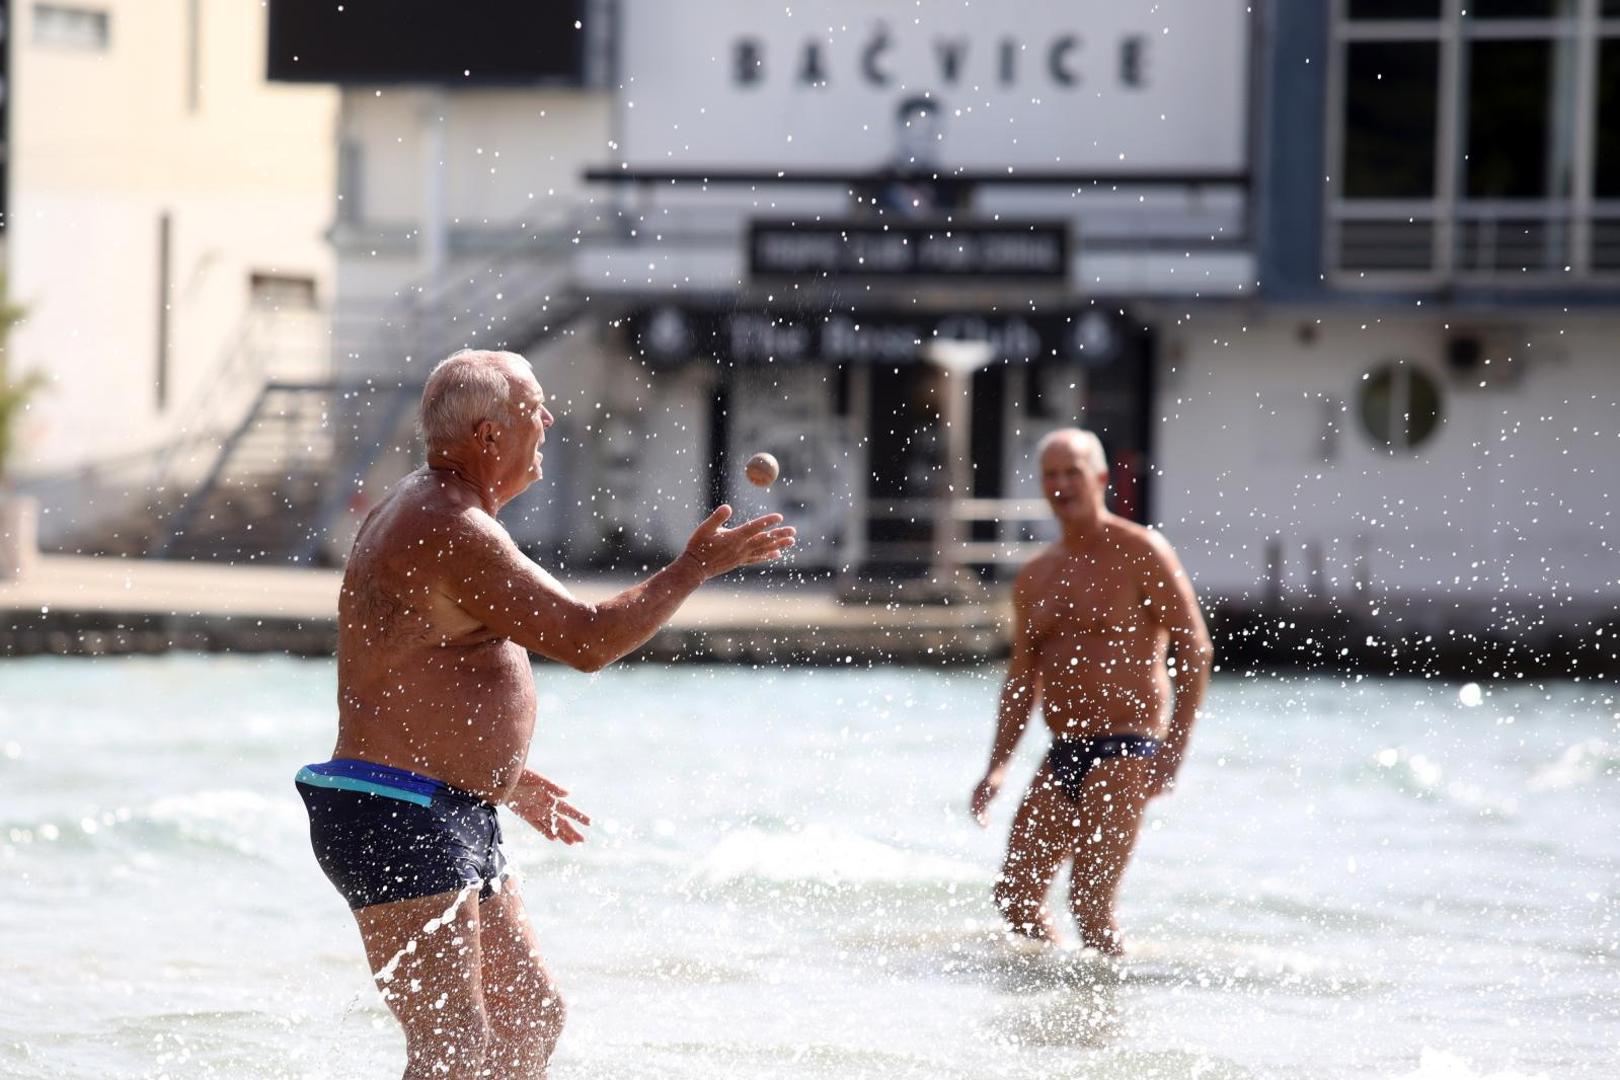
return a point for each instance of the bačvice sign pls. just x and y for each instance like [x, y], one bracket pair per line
[1133, 87]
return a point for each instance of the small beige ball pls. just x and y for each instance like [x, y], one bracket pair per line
[762, 470]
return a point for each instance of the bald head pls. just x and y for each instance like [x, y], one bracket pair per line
[467, 388]
[1083, 442]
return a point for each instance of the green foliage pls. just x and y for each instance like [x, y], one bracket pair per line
[14, 397]
[14, 393]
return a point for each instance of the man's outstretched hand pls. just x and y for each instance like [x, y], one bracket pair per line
[715, 549]
[979, 804]
[540, 802]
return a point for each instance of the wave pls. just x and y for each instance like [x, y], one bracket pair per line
[981, 950]
[1421, 776]
[228, 819]
[1578, 766]
[824, 855]
[1443, 1065]
[719, 1059]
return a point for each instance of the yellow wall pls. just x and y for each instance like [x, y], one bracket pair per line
[102, 144]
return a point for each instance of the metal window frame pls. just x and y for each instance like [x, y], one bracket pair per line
[1449, 206]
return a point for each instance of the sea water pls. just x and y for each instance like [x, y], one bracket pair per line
[1355, 878]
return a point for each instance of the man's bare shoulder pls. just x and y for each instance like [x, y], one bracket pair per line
[1039, 566]
[1137, 540]
[425, 525]
[1036, 574]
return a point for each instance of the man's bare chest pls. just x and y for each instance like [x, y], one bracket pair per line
[1087, 597]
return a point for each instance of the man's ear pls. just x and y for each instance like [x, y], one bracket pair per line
[486, 433]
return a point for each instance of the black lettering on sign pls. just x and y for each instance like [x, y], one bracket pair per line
[879, 44]
[951, 54]
[1057, 60]
[1133, 61]
[810, 70]
[749, 62]
[953, 58]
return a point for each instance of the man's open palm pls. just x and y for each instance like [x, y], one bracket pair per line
[717, 549]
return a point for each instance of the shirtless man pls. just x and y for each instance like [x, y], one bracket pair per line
[1095, 617]
[436, 704]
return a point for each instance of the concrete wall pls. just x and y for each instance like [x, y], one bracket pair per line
[1510, 499]
[103, 143]
[509, 165]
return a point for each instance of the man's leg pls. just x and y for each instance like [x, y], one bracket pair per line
[426, 957]
[1110, 812]
[525, 1011]
[1042, 837]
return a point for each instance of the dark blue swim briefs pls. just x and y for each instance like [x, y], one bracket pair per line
[383, 834]
[1071, 759]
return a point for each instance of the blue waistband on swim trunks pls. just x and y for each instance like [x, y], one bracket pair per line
[350, 774]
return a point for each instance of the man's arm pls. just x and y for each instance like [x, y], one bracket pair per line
[502, 588]
[1019, 694]
[1174, 603]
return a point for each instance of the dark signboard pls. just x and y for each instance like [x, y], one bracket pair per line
[908, 249]
[671, 334]
[426, 41]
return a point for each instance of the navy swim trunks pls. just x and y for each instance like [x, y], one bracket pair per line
[383, 834]
[1071, 759]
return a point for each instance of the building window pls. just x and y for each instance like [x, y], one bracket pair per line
[1607, 185]
[1390, 101]
[281, 291]
[63, 27]
[1520, 95]
[1476, 141]
[1399, 406]
[1520, 9]
[1394, 9]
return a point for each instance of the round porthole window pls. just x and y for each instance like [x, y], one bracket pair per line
[1399, 406]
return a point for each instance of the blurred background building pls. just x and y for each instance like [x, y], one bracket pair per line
[164, 211]
[1335, 280]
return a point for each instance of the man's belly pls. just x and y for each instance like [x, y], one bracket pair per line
[467, 722]
[1120, 692]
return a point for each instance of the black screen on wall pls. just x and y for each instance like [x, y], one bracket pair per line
[428, 41]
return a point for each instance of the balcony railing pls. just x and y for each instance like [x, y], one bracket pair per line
[1500, 244]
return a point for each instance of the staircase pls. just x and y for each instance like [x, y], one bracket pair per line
[288, 479]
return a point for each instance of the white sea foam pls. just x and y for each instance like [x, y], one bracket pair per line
[1443, 1065]
[1580, 764]
[231, 818]
[824, 854]
[1421, 775]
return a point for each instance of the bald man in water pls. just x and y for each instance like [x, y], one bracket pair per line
[436, 705]
[1097, 617]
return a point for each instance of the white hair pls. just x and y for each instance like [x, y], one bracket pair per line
[465, 389]
[1090, 447]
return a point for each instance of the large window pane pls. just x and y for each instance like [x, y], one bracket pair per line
[1607, 185]
[1519, 9]
[1394, 9]
[1389, 119]
[1520, 138]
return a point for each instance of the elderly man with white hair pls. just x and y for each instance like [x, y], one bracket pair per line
[436, 706]
[1096, 617]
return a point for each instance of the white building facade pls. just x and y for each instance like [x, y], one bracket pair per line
[1344, 334]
